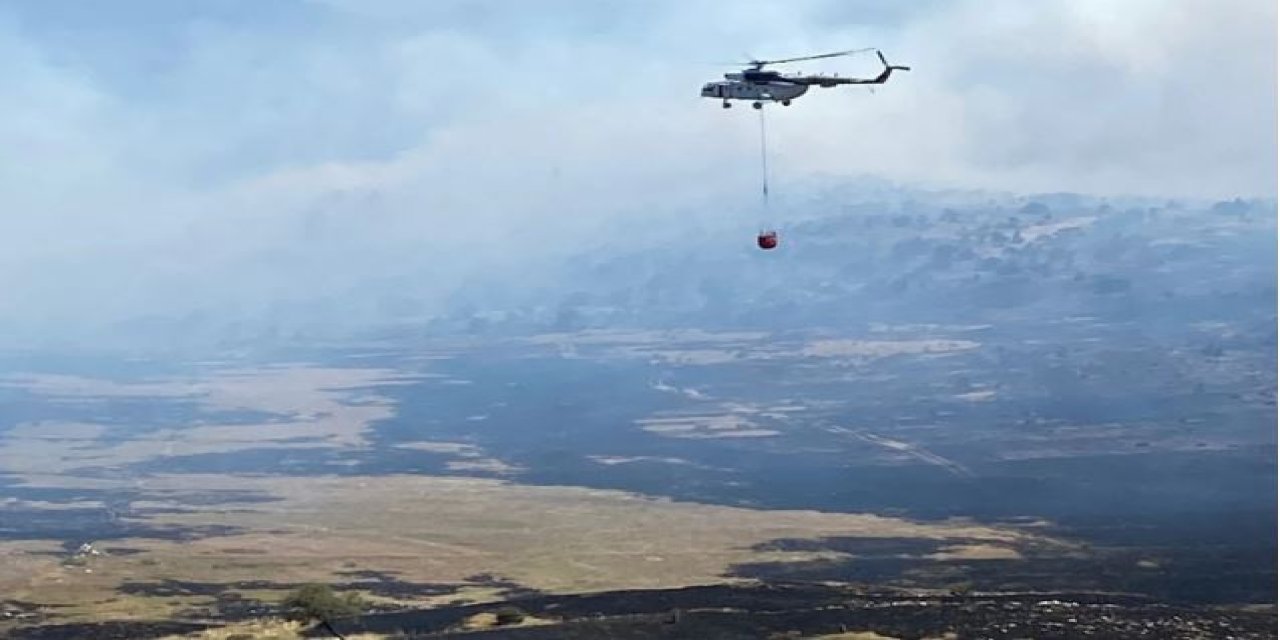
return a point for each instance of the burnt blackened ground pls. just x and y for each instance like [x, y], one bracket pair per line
[378, 583]
[388, 587]
[230, 605]
[227, 605]
[1089, 428]
[1222, 569]
[508, 588]
[79, 525]
[716, 612]
[110, 514]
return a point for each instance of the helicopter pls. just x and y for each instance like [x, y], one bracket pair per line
[757, 84]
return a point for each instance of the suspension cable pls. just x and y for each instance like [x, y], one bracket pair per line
[764, 164]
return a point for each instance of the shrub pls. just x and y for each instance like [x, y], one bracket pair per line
[509, 615]
[319, 602]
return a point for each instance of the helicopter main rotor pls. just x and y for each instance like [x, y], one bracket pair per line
[760, 64]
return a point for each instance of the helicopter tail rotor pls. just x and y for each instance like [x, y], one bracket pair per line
[890, 67]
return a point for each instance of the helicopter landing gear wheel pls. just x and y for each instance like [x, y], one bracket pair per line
[757, 105]
[726, 104]
[786, 103]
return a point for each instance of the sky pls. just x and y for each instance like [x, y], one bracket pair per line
[176, 156]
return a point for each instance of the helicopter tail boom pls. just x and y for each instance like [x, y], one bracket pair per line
[832, 81]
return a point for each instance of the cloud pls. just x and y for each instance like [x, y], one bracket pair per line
[250, 156]
[1173, 99]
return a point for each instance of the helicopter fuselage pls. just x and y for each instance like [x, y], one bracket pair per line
[757, 91]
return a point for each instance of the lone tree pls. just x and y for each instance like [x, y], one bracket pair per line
[318, 603]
